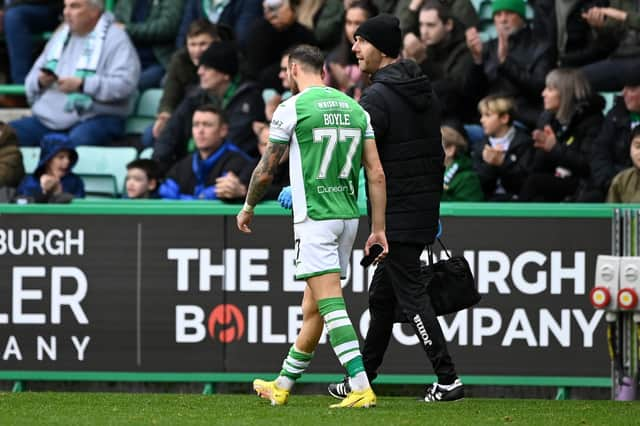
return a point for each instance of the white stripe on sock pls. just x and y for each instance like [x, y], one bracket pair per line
[335, 315]
[296, 363]
[345, 347]
[344, 359]
[338, 323]
[293, 370]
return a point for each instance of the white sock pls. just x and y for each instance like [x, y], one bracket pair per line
[456, 383]
[284, 382]
[359, 382]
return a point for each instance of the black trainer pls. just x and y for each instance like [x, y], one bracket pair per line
[340, 390]
[441, 393]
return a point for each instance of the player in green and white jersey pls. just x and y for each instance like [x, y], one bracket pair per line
[329, 137]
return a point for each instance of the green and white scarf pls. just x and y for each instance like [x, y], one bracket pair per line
[88, 62]
[213, 9]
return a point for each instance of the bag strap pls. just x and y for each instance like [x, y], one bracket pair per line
[443, 247]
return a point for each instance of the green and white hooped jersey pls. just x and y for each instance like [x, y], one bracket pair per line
[326, 131]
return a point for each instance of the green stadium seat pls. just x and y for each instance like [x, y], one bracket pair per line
[30, 157]
[146, 153]
[137, 125]
[529, 12]
[110, 161]
[148, 103]
[477, 4]
[99, 186]
[609, 99]
[488, 32]
[145, 109]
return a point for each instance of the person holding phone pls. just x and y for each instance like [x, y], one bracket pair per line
[81, 83]
[406, 117]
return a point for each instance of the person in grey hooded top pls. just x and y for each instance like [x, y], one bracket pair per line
[82, 81]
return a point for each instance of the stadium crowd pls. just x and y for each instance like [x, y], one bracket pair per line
[540, 99]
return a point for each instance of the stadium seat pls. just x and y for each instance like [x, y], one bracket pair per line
[609, 99]
[137, 125]
[30, 157]
[146, 153]
[145, 112]
[99, 186]
[106, 161]
[148, 103]
[529, 12]
[477, 4]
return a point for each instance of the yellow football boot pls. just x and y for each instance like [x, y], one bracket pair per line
[355, 399]
[270, 391]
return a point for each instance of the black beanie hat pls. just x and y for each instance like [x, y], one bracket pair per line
[221, 56]
[383, 31]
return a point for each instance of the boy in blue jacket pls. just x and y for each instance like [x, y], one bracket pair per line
[53, 180]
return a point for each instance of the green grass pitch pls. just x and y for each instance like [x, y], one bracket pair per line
[181, 409]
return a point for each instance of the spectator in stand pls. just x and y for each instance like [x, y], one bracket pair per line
[142, 179]
[408, 12]
[576, 42]
[563, 140]
[514, 64]
[270, 37]
[153, 26]
[195, 176]
[53, 179]
[625, 187]
[610, 152]
[24, 19]
[221, 85]
[239, 15]
[460, 182]
[325, 18]
[503, 160]
[442, 53]
[281, 178]
[622, 21]
[82, 82]
[182, 74]
[273, 101]
[11, 165]
[341, 66]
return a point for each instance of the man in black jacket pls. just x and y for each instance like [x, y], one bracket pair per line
[514, 64]
[610, 151]
[220, 85]
[405, 115]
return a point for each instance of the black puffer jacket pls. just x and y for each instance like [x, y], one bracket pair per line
[405, 116]
[610, 151]
[574, 143]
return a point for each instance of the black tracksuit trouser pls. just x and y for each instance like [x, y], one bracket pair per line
[397, 284]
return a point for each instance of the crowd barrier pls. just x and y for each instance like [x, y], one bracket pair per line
[166, 291]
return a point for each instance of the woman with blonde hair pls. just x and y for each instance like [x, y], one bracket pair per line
[563, 138]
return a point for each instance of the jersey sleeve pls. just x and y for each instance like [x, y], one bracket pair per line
[368, 133]
[283, 122]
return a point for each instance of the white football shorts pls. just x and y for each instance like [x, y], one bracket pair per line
[323, 246]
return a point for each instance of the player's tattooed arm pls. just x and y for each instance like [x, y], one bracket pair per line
[264, 172]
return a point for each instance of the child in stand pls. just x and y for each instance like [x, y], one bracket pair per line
[504, 159]
[461, 183]
[142, 179]
[53, 181]
[625, 187]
